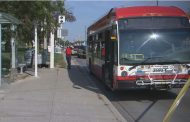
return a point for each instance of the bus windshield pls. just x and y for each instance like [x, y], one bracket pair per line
[138, 45]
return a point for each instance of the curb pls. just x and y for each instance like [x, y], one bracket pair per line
[110, 106]
[119, 117]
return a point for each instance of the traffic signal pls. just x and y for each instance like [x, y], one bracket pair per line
[61, 19]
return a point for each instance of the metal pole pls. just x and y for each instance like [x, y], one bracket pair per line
[45, 42]
[177, 101]
[45, 38]
[0, 55]
[13, 49]
[36, 52]
[85, 36]
[52, 50]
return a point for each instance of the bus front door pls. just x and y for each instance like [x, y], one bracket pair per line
[109, 60]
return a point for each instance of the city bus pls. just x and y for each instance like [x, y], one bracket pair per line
[144, 47]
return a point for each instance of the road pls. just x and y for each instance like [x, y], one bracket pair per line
[143, 105]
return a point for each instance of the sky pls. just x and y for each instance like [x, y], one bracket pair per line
[89, 11]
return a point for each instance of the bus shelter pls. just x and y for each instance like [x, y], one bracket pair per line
[8, 19]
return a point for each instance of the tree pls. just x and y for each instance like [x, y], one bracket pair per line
[29, 12]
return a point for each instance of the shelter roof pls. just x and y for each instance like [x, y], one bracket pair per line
[7, 18]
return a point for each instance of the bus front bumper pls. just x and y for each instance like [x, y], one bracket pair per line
[154, 84]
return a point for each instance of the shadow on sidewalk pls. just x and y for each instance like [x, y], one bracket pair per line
[80, 79]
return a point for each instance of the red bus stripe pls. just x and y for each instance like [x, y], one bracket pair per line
[156, 77]
[148, 11]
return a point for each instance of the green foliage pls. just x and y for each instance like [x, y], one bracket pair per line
[20, 55]
[59, 61]
[30, 12]
[6, 58]
[60, 42]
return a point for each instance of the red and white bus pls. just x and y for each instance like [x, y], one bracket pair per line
[140, 47]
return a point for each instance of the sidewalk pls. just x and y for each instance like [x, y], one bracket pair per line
[56, 96]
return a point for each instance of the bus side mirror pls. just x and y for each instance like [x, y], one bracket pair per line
[113, 37]
[114, 33]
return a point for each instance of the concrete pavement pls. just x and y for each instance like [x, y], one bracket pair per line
[57, 95]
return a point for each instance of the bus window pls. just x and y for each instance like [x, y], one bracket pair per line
[98, 50]
[90, 47]
[95, 49]
[89, 43]
[103, 51]
[186, 42]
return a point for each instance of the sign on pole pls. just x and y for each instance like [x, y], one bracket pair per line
[64, 32]
[61, 19]
[61, 33]
[58, 32]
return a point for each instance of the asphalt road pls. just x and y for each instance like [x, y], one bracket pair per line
[144, 105]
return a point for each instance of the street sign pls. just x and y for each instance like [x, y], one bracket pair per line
[64, 32]
[61, 33]
[58, 32]
[61, 19]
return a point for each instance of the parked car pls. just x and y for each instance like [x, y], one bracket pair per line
[74, 50]
[58, 49]
[28, 57]
[81, 53]
[28, 61]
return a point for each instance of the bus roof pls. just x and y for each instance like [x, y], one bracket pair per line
[136, 11]
[148, 11]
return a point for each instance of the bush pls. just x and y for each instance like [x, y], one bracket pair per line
[6, 63]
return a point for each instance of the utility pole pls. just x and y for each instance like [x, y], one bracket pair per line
[85, 35]
[36, 52]
[52, 49]
[157, 2]
[45, 38]
[0, 55]
[13, 58]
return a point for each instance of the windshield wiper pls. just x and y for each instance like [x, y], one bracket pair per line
[124, 59]
[166, 60]
[150, 58]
